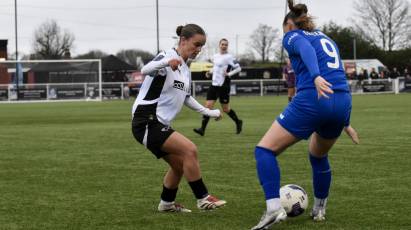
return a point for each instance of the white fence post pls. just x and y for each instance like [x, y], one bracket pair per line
[47, 91]
[8, 92]
[396, 85]
[261, 87]
[122, 90]
[85, 90]
[193, 88]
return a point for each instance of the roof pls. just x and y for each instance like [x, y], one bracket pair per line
[113, 63]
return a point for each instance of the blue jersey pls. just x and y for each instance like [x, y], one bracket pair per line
[314, 54]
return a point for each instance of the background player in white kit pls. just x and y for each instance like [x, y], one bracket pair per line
[225, 66]
[165, 89]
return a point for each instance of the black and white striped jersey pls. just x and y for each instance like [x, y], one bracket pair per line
[224, 63]
[163, 87]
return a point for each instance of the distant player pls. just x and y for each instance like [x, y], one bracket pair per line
[320, 110]
[166, 88]
[289, 77]
[225, 66]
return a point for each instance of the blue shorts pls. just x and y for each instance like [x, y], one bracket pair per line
[307, 114]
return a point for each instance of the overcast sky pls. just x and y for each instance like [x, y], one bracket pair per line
[111, 25]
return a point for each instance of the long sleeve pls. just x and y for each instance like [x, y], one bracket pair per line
[295, 44]
[236, 68]
[155, 65]
[234, 71]
[308, 55]
[193, 104]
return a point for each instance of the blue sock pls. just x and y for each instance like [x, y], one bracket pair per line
[321, 176]
[268, 172]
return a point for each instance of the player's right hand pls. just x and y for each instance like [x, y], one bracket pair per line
[174, 63]
[323, 87]
[215, 113]
[219, 117]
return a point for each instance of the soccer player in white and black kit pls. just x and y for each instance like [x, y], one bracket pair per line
[225, 66]
[166, 88]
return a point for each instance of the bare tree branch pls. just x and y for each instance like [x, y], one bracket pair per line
[262, 41]
[49, 42]
[385, 22]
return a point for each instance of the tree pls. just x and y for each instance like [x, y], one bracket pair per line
[345, 36]
[92, 54]
[246, 58]
[262, 41]
[385, 22]
[50, 42]
[134, 57]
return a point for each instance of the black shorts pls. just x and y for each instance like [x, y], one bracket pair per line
[221, 92]
[150, 132]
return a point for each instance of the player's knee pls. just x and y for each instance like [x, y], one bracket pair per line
[275, 147]
[191, 153]
[178, 168]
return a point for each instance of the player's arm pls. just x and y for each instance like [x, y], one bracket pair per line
[209, 73]
[235, 67]
[158, 63]
[193, 104]
[307, 53]
[300, 46]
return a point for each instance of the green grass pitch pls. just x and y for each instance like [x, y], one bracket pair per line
[77, 166]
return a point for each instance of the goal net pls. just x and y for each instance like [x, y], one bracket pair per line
[50, 80]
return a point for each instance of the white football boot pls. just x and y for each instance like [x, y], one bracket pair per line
[318, 211]
[318, 214]
[210, 202]
[270, 218]
[171, 207]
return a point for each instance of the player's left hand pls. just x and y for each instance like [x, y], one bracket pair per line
[323, 87]
[352, 134]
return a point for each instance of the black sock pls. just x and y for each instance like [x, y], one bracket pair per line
[233, 115]
[168, 195]
[199, 188]
[204, 122]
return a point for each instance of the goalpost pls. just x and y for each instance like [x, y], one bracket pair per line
[50, 80]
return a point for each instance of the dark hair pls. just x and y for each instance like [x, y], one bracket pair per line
[223, 39]
[189, 30]
[298, 14]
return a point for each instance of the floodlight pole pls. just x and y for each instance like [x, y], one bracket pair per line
[16, 75]
[158, 33]
[355, 48]
[236, 45]
[282, 49]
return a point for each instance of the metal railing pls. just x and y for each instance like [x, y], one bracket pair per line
[95, 91]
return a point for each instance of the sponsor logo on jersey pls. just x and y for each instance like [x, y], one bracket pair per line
[165, 129]
[281, 116]
[178, 85]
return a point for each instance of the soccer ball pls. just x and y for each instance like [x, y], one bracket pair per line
[294, 199]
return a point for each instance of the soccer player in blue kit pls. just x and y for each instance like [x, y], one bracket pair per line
[320, 110]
